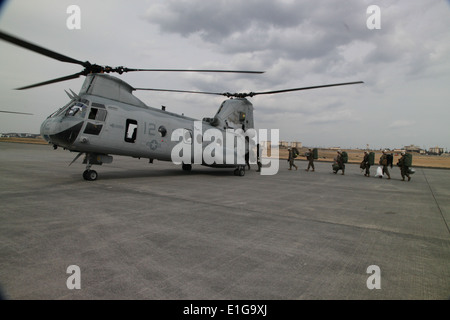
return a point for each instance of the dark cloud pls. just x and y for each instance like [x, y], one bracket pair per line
[315, 32]
[291, 30]
[218, 20]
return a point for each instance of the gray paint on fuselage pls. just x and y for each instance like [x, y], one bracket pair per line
[126, 113]
[111, 139]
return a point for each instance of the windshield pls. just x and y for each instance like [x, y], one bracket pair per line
[77, 110]
[61, 110]
[72, 109]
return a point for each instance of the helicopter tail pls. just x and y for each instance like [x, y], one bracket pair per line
[233, 114]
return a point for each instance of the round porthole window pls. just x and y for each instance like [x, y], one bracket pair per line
[162, 131]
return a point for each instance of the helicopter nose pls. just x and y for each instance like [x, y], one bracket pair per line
[56, 134]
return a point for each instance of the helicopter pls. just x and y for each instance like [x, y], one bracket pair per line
[106, 119]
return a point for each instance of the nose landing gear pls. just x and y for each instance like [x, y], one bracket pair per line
[90, 175]
[239, 171]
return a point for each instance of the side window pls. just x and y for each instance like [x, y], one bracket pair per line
[93, 113]
[97, 114]
[131, 130]
[93, 128]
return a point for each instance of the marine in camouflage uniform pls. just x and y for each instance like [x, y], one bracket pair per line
[340, 162]
[310, 158]
[404, 170]
[291, 159]
[366, 164]
[258, 158]
[384, 163]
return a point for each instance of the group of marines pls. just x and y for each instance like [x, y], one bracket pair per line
[385, 163]
[339, 162]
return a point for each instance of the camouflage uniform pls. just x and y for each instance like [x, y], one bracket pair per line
[366, 164]
[258, 157]
[384, 163]
[310, 157]
[340, 163]
[404, 170]
[291, 159]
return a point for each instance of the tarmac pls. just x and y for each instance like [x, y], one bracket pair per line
[154, 232]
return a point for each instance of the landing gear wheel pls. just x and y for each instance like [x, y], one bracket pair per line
[90, 175]
[239, 171]
[187, 167]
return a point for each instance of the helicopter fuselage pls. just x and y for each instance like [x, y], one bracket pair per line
[106, 119]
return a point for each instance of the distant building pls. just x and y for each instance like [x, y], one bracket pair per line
[20, 135]
[436, 150]
[413, 148]
[284, 144]
[296, 144]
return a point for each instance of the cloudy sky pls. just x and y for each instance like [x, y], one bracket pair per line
[405, 65]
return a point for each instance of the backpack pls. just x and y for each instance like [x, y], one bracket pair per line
[390, 159]
[345, 156]
[371, 158]
[295, 152]
[408, 160]
[315, 153]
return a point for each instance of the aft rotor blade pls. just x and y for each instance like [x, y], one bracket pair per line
[251, 94]
[38, 49]
[16, 112]
[73, 76]
[194, 70]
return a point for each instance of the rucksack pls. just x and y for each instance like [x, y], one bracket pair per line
[344, 156]
[390, 159]
[408, 160]
[371, 158]
[315, 153]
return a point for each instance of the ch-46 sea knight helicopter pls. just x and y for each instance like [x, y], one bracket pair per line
[106, 119]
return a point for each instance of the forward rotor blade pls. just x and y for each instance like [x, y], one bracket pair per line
[73, 76]
[251, 94]
[38, 49]
[183, 91]
[193, 70]
[16, 112]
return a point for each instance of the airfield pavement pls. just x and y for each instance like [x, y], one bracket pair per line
[151, 231]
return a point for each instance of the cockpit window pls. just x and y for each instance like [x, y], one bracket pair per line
[78, 110]
[61, 110]
[72, 109]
